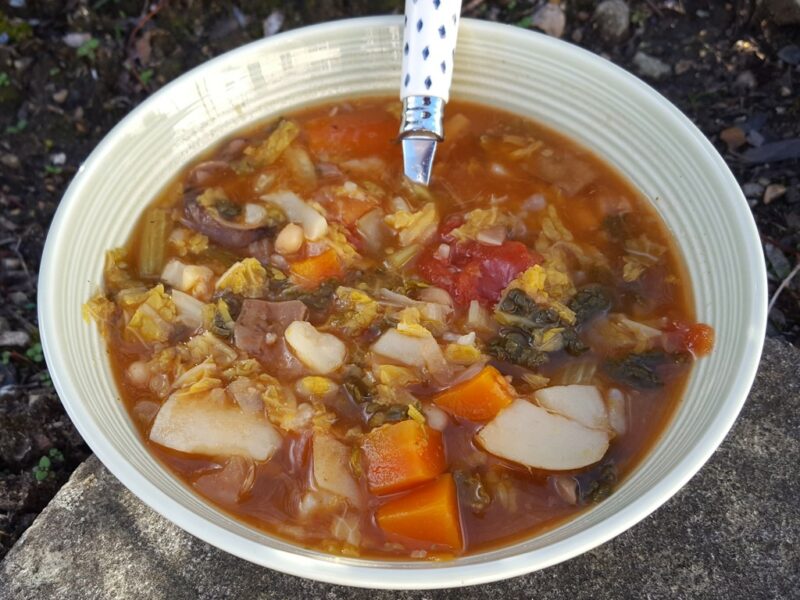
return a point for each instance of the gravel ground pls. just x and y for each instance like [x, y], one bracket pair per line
[69, 70]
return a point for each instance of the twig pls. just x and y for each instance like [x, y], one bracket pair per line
[765, 239]
[142, 22]
[144, 19]
[472, 6]
[24, 265]
[655, 8]
[784, 284]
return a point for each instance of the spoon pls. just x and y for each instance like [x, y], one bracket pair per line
[429, 44]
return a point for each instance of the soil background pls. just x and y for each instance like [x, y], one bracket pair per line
[70, 70]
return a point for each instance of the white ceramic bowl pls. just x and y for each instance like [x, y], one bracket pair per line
[575, 92]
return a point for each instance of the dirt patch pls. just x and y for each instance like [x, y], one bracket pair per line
[70, 70]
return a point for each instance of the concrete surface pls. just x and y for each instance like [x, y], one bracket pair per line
[733, 532]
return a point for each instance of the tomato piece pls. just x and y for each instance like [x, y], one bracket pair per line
[697, 338]
[475, 271]
[349, 210]
[352, 134]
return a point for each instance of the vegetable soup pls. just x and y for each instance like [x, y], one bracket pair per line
[369, 367]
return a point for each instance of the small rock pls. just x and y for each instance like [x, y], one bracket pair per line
[76, 40]
[785, 91]
[788, 149]
[754, 138]
[60, 96]
[18, 339]
[8, 375]
[783, 12]
[19, 298]
[612, 19]
[702, 14]
[781, 266]
[773, 192]
[650, 66]
[241, 19]
[734, 137]
[745, 81]
[550, 19]
[683, 66]
[752, 190]
[273, 23]
[22, 64]
[58, 159]
[577, 35]
[790, 54]
[10, 160]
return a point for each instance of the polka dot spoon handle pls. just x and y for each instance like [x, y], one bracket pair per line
[429, 42]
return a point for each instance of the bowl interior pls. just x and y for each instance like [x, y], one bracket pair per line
[602, 107]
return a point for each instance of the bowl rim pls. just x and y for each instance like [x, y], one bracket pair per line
[388, 576]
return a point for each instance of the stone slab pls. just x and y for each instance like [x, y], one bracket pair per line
[732, 532]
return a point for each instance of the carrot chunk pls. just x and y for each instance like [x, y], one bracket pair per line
[349, 210]
[402, 455]
[312, 271]
[479, 398]
[427, 514]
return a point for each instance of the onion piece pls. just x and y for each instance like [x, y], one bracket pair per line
[414, 352]
[190, 309]
[436, 418]
[432, 311]
[493, 236]
[247, 396]
[230, 483]
[479, 319]
[364, 166]
[297, 211]
[398, 203]
[299, 163]
[566, 487]
[535, 203]
[617, 411]
[436, 295]
[331, 459]
[193, 279]
[373, 229]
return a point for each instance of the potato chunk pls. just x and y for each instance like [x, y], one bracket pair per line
[199, 425]
[581, 403]
[323, 353]
[532, 436]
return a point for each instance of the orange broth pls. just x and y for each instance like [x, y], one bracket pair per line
[489, 159]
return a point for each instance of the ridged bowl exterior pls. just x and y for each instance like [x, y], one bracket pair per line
[573, 91]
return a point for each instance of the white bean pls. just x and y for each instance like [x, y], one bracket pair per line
[290, 239]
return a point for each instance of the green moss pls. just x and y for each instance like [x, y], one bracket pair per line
[16, 29]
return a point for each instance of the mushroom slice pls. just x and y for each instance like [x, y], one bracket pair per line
[219, 230]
